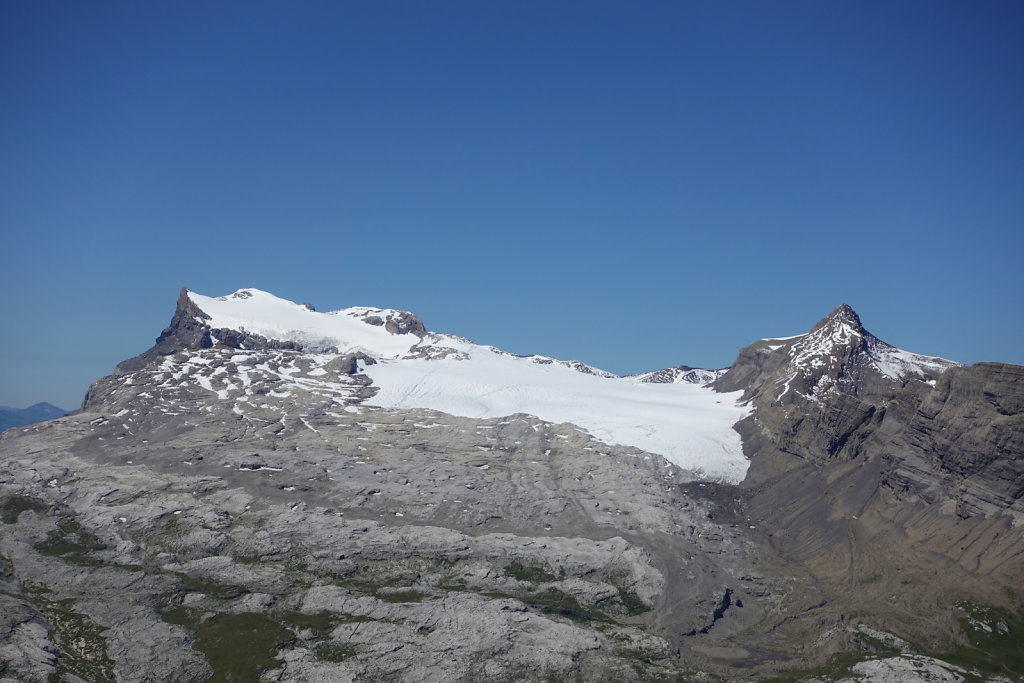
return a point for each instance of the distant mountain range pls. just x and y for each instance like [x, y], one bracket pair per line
[19, 417]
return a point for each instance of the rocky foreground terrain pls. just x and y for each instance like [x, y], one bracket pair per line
[230, 506]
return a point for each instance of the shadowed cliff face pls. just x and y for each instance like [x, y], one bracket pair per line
[896, 479]
[961, 441]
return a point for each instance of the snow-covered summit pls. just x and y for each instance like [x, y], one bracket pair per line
[378, 332]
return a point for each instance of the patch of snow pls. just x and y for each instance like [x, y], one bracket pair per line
[903, 365]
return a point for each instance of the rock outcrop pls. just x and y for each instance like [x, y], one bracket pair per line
[875, 468]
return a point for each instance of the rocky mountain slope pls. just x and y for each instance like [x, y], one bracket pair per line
[272, 492]
[896, 480]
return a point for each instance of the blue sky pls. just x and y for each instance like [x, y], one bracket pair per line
[635, 185]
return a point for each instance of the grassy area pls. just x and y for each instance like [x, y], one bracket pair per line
[838, 666]
[555, 602]
[841, 664]
[83, 649]
[210, 587]
[72, 543]
[524, 572]
[996, 641]
[996, 648]
[320, 623]
[15, 505]
[239, 647]
[401, 596]
[633, 604]
[334, 652]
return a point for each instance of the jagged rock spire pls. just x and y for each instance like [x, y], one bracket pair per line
[841, 315]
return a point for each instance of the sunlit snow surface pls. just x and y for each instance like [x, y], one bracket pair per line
[690, 425]
[687, 424]
[258, 312]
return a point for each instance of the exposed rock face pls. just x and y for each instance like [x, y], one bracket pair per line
[395, 322]
[959, 441]
[225, 493]
[838, 356]
[681, 373]
[876, 468]
[820, 394]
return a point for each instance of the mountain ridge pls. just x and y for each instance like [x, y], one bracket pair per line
[438, 509]
[38, 412]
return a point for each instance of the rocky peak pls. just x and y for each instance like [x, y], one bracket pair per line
[843, 316]
[187, 308]
[840, 333]
[838, 355]
[187, 330]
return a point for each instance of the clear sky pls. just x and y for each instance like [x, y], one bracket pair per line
[631, 184]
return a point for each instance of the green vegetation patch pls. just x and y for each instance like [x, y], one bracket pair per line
[211, 587]
[457, 584]
[524, 572]
[321, 623]
[15, 505]
[83, 649]
[996, 648]
[383, 583]
[401, 596]
[554, 601]
[239, 647]
[72, 543]
[334, 652]
[633, 604]
[838, 666]
[996, 641]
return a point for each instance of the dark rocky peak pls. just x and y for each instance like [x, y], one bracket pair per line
[838, 355]
[186, 308]
[187, 330]
[839, 333]
[842, 316]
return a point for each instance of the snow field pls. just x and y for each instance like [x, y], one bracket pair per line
[689, 425]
